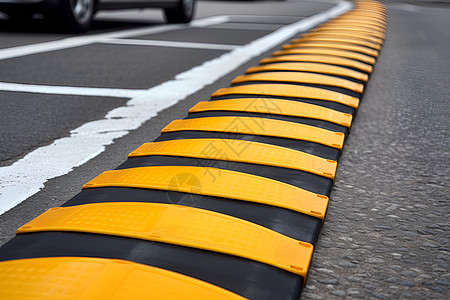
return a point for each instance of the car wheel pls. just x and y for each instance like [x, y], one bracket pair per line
[182, 13]
[76, 15]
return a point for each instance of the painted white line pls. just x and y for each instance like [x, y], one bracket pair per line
[169, 44]
[68, 90]
[210, 21]
[28, 175]
[91, 39]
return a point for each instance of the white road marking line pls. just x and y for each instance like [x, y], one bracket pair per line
[210, 21]
[91, 39]
[28, 175]
[68, 90]
[169, 44]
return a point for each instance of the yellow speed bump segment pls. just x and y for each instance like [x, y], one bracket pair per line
[289, 90]
[378, 28]
[307, 67]
[87, 278]
[301, 77]
[359, 21]
[342, 41]
[247, 152]
[180, 225]
[351, 23]
[322, 59]
[377, 19]
[217, 183]
[260, 126]
[332, 45]
[332, 52]
[380, 19]
[350, 29]
[368, 11]
[276, 107]
[357, 24]
[342, 34]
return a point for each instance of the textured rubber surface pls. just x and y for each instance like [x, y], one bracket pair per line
[179, 225]
[338, 61]
[285, 90]
[257, 153]
[216, 182]
[260, 126]
[95, 278]
[330, 52]
[332, 34]
[334, 44]
[301, 77]
[277, 107]
[305, 66]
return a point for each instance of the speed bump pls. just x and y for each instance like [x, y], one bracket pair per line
[332, 45]
[332, 52]
[227, 184]
[370, 26]
[255, 153]
[288, 90]
[343, 34]
[327, 38]
[352, 28]
[260, 126]
[349, 23]
[356, 20]
[322, 59]
[88, 278]
[276, 107]
[368, 11]
[301, 77]
[180, 225]
[359, 24]
[357, 17]
[381, 19]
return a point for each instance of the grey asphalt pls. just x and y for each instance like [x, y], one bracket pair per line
[34, 120]
[386, 234]
[102, 65]
[209, 35]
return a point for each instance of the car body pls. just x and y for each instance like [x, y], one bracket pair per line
[77, 15]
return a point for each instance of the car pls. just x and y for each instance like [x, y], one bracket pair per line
[77, 15]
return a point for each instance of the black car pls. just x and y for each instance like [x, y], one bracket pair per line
[77, 15]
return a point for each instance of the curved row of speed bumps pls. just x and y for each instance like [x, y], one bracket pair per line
[228, 202]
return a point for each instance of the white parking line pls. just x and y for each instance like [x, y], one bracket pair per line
[28, 175]
[68, 90]
[91, 39]
[169, 44]
[210, 21]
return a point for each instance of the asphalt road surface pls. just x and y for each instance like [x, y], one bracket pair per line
[386, 234]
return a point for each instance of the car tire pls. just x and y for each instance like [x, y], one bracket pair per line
[182, 13]
[76, 15]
